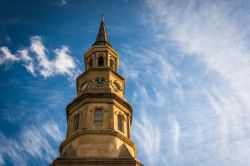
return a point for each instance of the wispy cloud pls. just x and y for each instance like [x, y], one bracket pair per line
[150, 101]
[203, 84]
[154, 61]
[191, 85]
[149, 136]
[35, 59]
[63, 2]
[31, 142]
[175, 132]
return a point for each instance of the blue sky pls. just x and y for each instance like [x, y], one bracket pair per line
[186, 64]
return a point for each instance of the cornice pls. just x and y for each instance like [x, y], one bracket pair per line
[100, 69]
[96, 47]
[96, 160]
[95, 131]
[113, 96]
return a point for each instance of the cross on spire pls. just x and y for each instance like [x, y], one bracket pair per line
[103, 17]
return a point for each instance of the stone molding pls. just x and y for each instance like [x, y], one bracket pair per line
[97, 131]
[100, 69]
[97, 161]
[83, 96]
[102, 48]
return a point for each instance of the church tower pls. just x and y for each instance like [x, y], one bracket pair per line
[99, 118]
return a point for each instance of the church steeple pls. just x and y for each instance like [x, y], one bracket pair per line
[99, 118]
[102, 37]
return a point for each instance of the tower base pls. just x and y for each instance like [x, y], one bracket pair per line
[92, 161]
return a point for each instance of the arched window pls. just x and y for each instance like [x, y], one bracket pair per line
[100, 61]
[98, 117]
[111, 63]
[76, 122]
[120, 123]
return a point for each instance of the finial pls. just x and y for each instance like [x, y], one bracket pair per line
[102, 17]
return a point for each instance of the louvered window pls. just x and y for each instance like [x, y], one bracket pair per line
[98, 117]
[120, 123]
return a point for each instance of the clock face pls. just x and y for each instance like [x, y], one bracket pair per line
[84, 86]
[116, 86]
[99, 81]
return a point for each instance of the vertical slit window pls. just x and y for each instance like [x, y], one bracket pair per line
[120, 123]
[111, 63]
[90, 63]
[76, 122]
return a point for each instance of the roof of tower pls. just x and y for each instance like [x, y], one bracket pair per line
[102, 37]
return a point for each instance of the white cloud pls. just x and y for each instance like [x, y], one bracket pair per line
[207, 90]
[203, 83]
[34, 144]
[129, 72]
[53, 130]
[175, 132]
[149, 136]
[45, 66]
[147, 61]
[35, 59]
[11, 149]
[6, 56]
[31, 142]
[154, 72]
[28, 61]
[64, 63]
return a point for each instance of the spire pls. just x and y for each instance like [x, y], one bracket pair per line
[102, 37]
